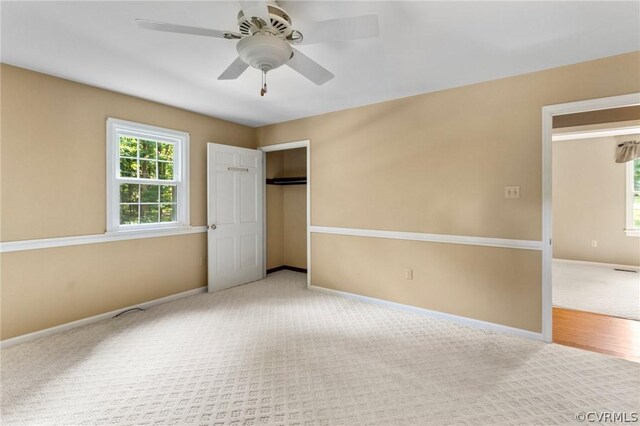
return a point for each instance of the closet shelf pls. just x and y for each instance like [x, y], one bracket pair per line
[288, 181]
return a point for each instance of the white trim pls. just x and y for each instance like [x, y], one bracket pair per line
[547, 227]
[547, 231]
[181, 171]
[107, 237]
[469, 322]
[630, 231]
[264, 214]
[570, 136]
[285, 146]
[282, 147]
[96, 318]
[433, 238]
[308, 145]
[603, 265]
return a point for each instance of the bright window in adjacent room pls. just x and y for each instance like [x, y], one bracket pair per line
[633, 197]
[147, 177]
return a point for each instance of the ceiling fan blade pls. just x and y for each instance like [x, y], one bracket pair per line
[234, 70]
[256, 8]
[341, 29]
[184, 29]
[309, 68]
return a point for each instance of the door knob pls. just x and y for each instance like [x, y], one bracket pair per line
[212, 226]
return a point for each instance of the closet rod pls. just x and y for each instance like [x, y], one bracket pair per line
[288, 181]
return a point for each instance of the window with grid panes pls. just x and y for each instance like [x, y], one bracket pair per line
[147, 168]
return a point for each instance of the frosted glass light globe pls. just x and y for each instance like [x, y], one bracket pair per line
[264, 52]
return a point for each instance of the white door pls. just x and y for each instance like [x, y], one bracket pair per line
[234, 213]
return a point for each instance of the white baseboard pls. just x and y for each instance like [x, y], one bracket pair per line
[604, 265]
[100, 317]
[483, 325]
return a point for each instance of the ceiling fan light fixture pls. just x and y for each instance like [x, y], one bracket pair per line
[265, 37]
[264, 52]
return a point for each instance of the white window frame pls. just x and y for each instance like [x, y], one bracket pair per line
[115, 128]
[630, 230]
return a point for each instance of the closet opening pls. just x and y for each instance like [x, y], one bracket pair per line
[286, 207]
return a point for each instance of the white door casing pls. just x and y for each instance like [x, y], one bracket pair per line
[548, 112]
[234, 215]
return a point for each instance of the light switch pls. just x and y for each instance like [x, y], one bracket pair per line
[511, 192]
[408, 273]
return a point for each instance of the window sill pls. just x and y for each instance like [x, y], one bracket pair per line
[99, 238]
[632, 232]
[155, 230]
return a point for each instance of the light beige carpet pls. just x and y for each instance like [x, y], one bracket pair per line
[596, 288]
[273, 352]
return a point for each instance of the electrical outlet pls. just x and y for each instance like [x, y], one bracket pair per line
[202, 261]
[594, 243]
[408, 273]
[511, 192]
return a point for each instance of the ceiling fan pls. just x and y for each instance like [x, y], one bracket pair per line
[265, 37]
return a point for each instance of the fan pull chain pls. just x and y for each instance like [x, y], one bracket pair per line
[263, 91]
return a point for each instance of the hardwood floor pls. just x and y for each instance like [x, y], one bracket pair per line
[618, 337]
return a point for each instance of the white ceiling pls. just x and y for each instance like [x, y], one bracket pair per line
[423, 47]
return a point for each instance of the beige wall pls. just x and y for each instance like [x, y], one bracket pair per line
[286, 210]
[295, 226]
[438, 163]
[47, 287]
[53, 185]
[295, 162]
[295, 210]
[589, 202]
[53, 152]
[486, 283]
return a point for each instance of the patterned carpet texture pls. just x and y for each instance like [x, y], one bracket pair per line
[272, 352]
